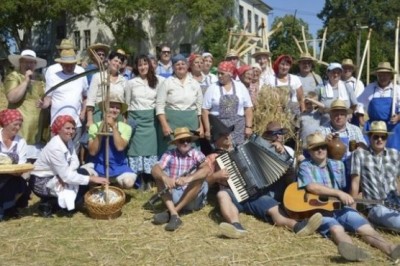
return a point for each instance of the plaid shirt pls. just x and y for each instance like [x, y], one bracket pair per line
[332, 175]
[378, 173]
[175, 164]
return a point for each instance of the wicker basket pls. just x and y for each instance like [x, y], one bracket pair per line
[104, 211]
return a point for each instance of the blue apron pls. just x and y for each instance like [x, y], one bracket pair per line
[347, 162]
[380, 109]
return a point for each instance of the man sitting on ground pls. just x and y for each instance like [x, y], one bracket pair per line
[186, 192]
[326, 177]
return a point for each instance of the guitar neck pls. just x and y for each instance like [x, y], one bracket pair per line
[368, 201]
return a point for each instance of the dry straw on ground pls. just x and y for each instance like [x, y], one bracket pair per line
[133, 240]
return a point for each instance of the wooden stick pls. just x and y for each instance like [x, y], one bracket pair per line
[323, 44]
[242, 33]
[362, 61]
[247, 49]
[229, 40]
[304, 39]
[255, 39]
[298, 44]
[396, 66]
[368, 62]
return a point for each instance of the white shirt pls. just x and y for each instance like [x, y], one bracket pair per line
[67, 99]
[213, 95]
[352, 83]
[140, 96]
[18, 141]
[374, 91]
[95, 93]
[295, 83]
[57, 67]
[56, 159]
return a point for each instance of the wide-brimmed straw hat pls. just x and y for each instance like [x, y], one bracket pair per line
[182, 133]
[27, 54]
[378, 127]
[114, 99]
[315, 140]
[66, 44]
[232, 53]
[98, 46]
[339, 105]
[67, 57]
[306, 57]
[348, 62]
[261, 52]
[384, 67]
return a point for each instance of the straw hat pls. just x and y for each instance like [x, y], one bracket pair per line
[378, 127]
[27, 54]
[182, 133]
[98, 46]
[114, 99]
[66, 44]
[315, 140]
[67, 57]
[384, 67]
[306, 57]
[348, 62]
[232, 53]
[262, 51]
[339, 105]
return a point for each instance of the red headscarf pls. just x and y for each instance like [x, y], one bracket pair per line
[60, 121]
[8, 116]
[243, 69]
[226, 66]
[193, 57]
[281, 58]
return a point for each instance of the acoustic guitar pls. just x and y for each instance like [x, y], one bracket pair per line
[300, 204]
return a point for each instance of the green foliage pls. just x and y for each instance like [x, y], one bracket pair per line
[23, 15]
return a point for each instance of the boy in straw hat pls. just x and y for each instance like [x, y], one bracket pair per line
[308, 78]
[375, 171]
[347, 76]
[378, 99]
[186, 191]
[118, 142]
[326, 177]
[70, 98]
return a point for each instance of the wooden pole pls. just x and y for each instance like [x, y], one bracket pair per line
[304, 39]
[396, 67]
[298, 44]
[362, 61]
[323, 44]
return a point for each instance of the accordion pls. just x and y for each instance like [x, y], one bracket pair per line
[253, 166]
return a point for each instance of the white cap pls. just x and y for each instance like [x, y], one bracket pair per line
[333, 66]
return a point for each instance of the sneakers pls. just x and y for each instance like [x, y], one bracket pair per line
[308, 227]
[234, 230]
[161, 218]
[174, 223]
[351, 252]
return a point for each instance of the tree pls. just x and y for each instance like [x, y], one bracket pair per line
[22, 15]
[344, 19]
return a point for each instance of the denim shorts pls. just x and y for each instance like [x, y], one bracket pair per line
[347, 217]
[195, 204]
[256, 206]
[385, 217]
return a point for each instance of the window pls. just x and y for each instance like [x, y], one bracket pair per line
[250, 25]
[87, 38]
[60, 32]
[256, 24]
[77, 39]
[185, 49]
[241, 16]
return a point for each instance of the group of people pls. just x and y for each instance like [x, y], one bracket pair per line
[170, 119]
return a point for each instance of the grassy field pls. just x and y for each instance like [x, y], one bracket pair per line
[132, 239]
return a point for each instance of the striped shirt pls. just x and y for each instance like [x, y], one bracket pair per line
[175, 164]
[331, 175]
[378, 173]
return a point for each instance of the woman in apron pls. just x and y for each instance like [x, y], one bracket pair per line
[230, 101]
[178, 103]
[141, 96]
[14, 192]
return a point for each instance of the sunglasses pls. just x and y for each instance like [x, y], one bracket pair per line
[186, 140]
[376, 137]
[101, 54]
[166, 52]
[322, 147]
[281, 131]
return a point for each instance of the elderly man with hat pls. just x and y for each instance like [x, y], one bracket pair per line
[338, 126]
[381, 100]
[118, 142]
[375, 172]
[308, 78]
[263, 57]
[70, 98]
[23, 90]
[347, 76]
[184, 190]
[322, 176]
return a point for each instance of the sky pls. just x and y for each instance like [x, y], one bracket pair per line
[307, 10]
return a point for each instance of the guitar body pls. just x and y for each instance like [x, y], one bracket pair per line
[300, 204]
